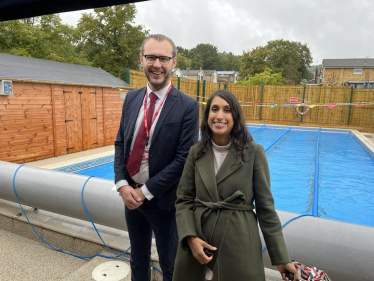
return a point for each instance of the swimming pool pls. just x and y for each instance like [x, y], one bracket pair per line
[326, 172]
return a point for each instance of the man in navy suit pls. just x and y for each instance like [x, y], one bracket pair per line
[159, 123]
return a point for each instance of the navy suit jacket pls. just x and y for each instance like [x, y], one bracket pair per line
[176, 131]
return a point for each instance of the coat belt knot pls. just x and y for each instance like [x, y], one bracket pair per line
[223, 211]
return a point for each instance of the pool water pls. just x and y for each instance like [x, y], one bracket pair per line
[345, 179]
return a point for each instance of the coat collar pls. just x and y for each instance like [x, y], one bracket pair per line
[229, 165]
[205, 167]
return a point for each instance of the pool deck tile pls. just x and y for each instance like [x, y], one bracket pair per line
[73, 158]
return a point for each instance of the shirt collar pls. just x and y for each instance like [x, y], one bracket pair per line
[161, 93]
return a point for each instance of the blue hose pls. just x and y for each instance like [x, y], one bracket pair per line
[89, 217]
[287, 222]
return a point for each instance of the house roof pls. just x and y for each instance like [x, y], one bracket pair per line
[348, 63]
[25, 68]
[209, 72]
[232, 72]
[189, 72]
[359, 82]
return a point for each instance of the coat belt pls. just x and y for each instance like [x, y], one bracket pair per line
[223, 210]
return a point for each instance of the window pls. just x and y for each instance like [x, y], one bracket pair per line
[357, 71]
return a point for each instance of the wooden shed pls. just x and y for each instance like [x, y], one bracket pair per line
[56, 108]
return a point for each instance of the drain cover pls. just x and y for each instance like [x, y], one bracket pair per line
[111, 271]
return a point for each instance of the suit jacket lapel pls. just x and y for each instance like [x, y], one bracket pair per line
[205, 166]
[168, 105]
[229, 165]
[134, 107]
[131, 117]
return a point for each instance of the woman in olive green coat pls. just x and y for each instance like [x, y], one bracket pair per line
[225, 174]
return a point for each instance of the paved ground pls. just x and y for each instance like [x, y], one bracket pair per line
[24, 259]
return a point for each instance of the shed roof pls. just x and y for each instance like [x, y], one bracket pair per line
[209, 72]
[231, 72]
[348, 63]
[25, 68]
[189, 72]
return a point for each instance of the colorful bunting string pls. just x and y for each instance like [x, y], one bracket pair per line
[293, 105]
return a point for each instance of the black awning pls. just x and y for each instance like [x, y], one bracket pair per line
[19, 9]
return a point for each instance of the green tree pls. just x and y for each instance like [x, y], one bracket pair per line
[255, 61]
[183, 62]
[181, 50]
[110, 39]
[292, 59]
[266, 78]
[43, 37]
[228, 61]
[204, 56]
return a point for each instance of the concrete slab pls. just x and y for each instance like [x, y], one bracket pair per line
[25, 259]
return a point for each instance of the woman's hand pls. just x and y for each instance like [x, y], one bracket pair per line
[197, 247]
[283, 268]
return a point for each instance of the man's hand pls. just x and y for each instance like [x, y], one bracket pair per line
[140, 193]
[130, 197]
[197, 247]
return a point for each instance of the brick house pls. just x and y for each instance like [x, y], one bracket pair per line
[348, 72]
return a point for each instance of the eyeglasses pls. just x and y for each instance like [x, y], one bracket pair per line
[152, 59]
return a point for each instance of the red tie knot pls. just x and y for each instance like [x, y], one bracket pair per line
[152, 97]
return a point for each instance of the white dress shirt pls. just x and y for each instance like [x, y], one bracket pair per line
[143, 174]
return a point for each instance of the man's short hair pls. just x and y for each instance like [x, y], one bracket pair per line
[159, 38]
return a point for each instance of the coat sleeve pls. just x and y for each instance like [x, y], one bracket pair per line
[186, 194]
[268, 218]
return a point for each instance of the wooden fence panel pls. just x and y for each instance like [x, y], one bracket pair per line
[362, 116]
[137, 79]
[271, 104]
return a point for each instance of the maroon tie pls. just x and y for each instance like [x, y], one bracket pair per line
[135, 159]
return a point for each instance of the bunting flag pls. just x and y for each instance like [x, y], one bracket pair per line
[293, 105]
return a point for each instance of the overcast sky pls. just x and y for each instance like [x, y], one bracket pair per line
[330, 28]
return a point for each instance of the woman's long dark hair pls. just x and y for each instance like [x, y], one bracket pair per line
[239, 134]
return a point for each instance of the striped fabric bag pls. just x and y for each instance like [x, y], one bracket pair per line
[310, 273]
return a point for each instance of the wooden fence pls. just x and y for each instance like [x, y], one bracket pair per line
[341, 107]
